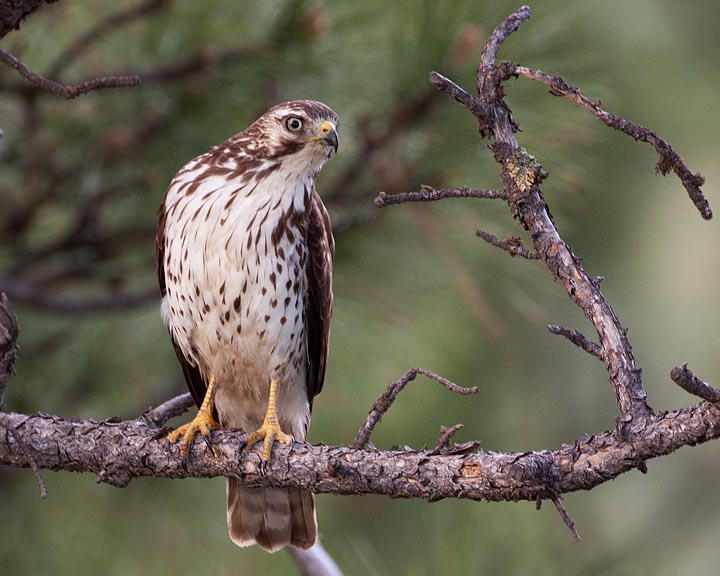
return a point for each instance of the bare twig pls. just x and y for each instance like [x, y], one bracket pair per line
[430, 194]
[669, 159]
[566, 518]
[167, 410]
[383, 403]
[683, 377]
[513, 245]
[445, 435]
[39, 478]
[68, 91]
[450, 88]
[580, 340]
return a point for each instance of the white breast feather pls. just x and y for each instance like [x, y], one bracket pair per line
[238, 344]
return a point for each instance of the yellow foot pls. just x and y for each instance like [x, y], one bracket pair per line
[203, 423]
[269, 432]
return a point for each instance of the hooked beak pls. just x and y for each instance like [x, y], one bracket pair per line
[328, 134]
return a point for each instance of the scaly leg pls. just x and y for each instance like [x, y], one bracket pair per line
[270, 429]
[202, 423]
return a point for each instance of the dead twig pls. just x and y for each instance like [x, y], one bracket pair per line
[40, 479]
[669, 159]
[513, 245]
[68, 92]
[683, 377]
[445, 435]
[430, 194]
[167, 410]
[566, 518]
[383, 403]
[580, 340]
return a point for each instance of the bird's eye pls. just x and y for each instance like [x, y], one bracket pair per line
[293, 124]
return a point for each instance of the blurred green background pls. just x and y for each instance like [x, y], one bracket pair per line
[413, 286]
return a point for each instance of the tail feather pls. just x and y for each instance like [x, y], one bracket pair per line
[272, 518]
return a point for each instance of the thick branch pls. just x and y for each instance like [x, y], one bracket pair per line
[120, 451]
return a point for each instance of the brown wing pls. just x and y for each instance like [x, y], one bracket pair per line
[193, 378]
[319, 305]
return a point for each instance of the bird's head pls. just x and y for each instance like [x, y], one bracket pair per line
[301, 131]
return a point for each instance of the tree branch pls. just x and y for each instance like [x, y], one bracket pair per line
[429, 194]
[118, 451]
[669, 159]
[68, 92]
[382, 404]
[683, 377]
[580, 340]
[513, 245]
[521, 175]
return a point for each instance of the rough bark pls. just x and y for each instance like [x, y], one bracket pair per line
[118, 451]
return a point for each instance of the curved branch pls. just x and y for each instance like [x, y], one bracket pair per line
[383, 403]
[68, 92]
[669, 159]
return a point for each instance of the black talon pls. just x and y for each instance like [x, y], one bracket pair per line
[208, 443]
[241, 447]
[183, 462]
[263, 467]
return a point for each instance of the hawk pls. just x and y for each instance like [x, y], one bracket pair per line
[244, 256]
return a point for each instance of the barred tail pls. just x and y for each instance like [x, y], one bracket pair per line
[272, 518]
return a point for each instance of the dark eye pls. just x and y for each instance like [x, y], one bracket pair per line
[293, 124]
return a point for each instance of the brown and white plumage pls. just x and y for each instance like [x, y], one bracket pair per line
[244, 255]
